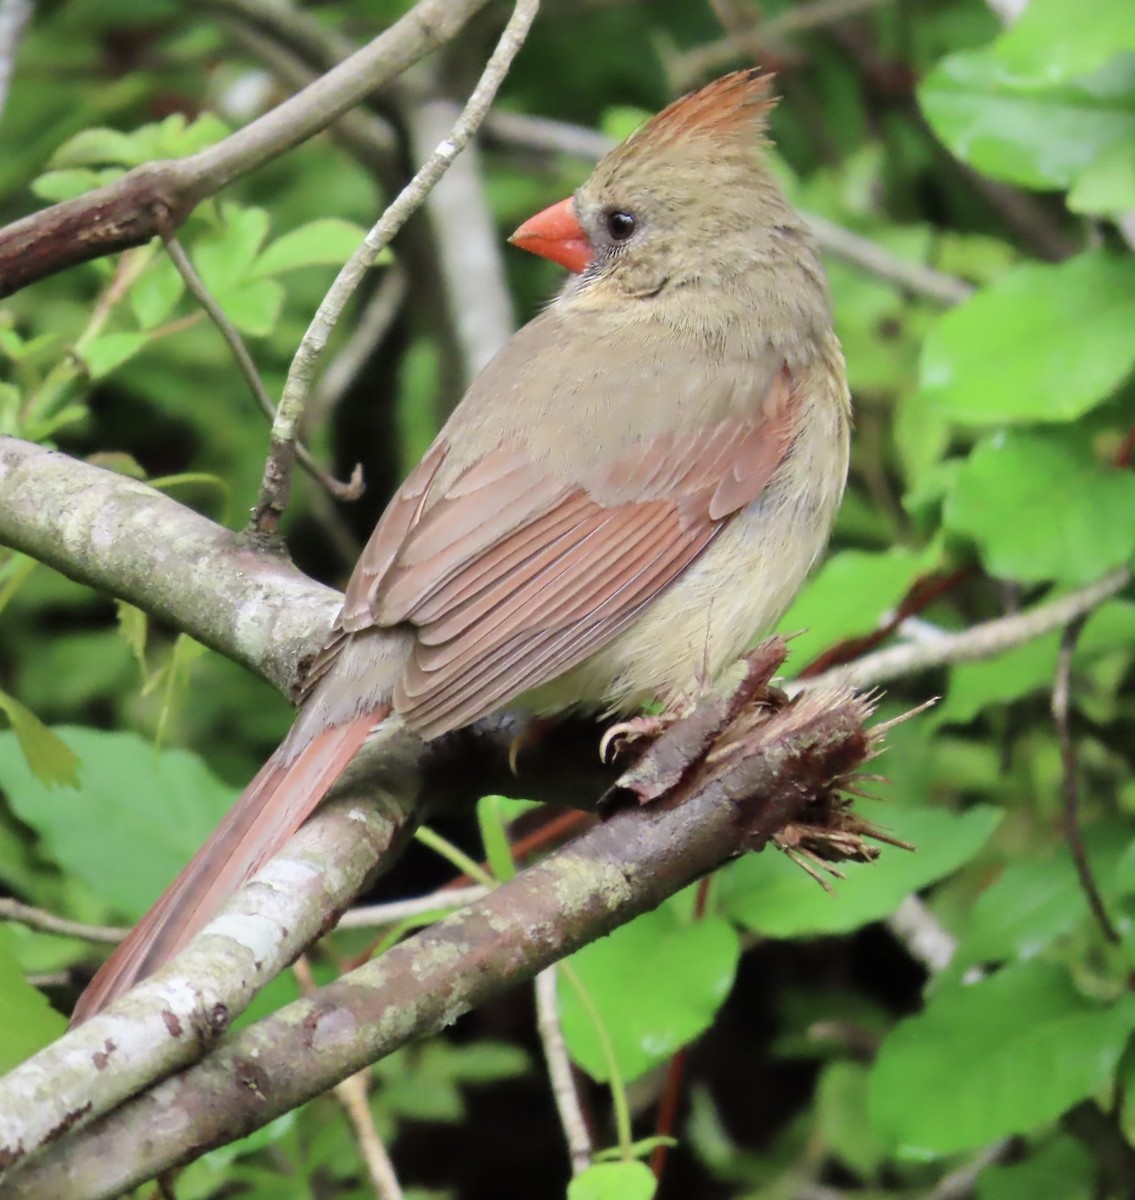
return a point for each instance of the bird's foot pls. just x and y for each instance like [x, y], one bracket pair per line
[623, 734]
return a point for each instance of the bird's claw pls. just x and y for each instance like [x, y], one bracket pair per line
[625, 733]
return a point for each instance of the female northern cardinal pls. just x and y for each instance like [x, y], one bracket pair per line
[636, 486]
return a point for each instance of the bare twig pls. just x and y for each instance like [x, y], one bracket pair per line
[38, 918]
[156, 197]
[14, 16]
[959, 1184]
[924, 937]
[765, 769]
[351, 1094]
[799, 18]
[365, 337]
[976, 643]
[361, 131]
[468, 248]
[374, 916]
[572, 1120]
[274, 488]
[351, 490]
[1061, 702]
[541, 134]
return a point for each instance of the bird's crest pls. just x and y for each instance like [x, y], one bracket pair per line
[734, 105]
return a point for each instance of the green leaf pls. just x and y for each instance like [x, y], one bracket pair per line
[841, 1114]
[99, 146]
[27, 1020]
[1055, 40]
[1025, 669]
[253, 307]
[846, 597]
[48, 756]
[996, 1058]
[998, 680]
[1040, 507]
[134, 804]
[1108, 184]
[1037, 900]
[771, 895]
[657, 983]
[153, 296]
[613, 1181]
[1012, 130]
[56, 186]
[328, 241]
[1061, 1170]
[109, 351]
[224, 257]
[1044, 343]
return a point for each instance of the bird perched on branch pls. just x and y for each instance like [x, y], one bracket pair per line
[632, 490]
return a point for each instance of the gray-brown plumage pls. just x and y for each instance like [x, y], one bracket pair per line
[633, 489]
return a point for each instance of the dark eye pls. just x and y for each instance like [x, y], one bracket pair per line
[620, 225]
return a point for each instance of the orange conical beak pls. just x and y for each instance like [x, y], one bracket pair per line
[557, 234]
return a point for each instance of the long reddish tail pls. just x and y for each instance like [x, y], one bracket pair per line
[274, 805]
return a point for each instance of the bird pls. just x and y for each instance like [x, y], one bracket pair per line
[631, 491]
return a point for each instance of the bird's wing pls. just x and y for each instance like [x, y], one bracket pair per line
[511, 576]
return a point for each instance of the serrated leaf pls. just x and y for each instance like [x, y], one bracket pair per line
[1000, 1057]
[111, 350]
[134, 804]
[224, 257]
[27, 1020]
[1043, 343]
[328, 241]
[1013, 130]
[613, 1181]
[253, 307]
[56, 186]
[770, 894]
[156, 292]
[846, 597]
[1039, 507]
[98, 147]
[48, 757]
[656, 982]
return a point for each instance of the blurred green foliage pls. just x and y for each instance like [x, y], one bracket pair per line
[993, 439]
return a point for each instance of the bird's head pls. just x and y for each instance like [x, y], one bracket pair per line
[688, 198]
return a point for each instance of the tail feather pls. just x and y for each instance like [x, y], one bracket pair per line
[275, 804]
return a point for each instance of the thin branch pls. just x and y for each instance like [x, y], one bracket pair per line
[959, 1184]
[361, 131]
[351, 490]
[922, 935]
[544, 135]
[1061, 703]
[123, 538]
[14, 17]
[372, 916]
[468, 247]
[351, 1094]
[572, 1120]
[766, 768]
[976, 643]
[46, 922]
[799, 18]
[366, 336]
[156, 197]
[274, 488]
